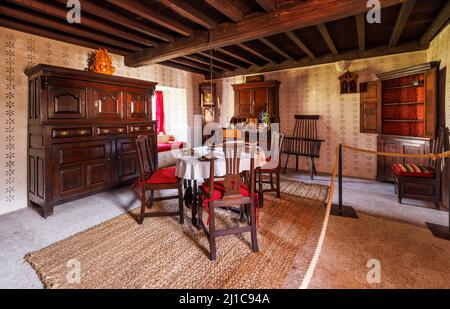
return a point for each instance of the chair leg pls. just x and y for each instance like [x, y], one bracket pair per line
[278, 184]
[143, 204]
[253, 226]
[180, 203]
[212, 233]
[286, 164]
[150, 199]
[271, 182]
[296, 164]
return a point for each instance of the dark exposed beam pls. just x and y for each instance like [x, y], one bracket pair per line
[326, 36]
[351, 55]
[217, 57]
[227, 8]
[402, 19]
[437, 24]
[26, 27]
[361, 28]
[102, 12]
[153, 16]
[185, 68]
[267, 5]
[234, 55]
[300, 44]
[215, 63]
[305, 15]
[255, 52]
[92, 23]
[194, 65]
[65, 27]
[275, 48]
[188, 11]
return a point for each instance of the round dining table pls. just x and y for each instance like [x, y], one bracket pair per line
[193, 166]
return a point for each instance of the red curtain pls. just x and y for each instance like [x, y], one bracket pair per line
[159, 112]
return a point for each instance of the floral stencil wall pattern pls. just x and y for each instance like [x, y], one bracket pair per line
[20, 51]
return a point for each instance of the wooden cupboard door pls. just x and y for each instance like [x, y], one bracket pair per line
[138, 106]
[107, 104]
[370, 121]
[430, 103]
[415, 148]
[385, 172]
[97, 175]
[127, 160]
[244, 102]
[66, 102]
[260, 101]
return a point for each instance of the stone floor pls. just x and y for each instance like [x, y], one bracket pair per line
[392, 233]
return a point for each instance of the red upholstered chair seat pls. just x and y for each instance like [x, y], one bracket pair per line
[413, 170]
[163, 147]
[219, 190]
[163, 176]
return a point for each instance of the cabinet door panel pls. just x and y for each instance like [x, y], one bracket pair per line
[260, 101]
[419, 148]
[97, 175]
[108, 104]
[66, 102]
[137, 106]
[386, 162]
[69, 181]
[127, 160]
[370, 108]
[244, 102]
[431, 103]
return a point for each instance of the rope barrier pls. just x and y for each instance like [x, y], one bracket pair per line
[315, 259]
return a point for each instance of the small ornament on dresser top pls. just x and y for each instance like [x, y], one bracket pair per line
[101, 62]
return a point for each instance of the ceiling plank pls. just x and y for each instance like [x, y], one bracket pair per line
[153, 16]
[65, 27]
[217, 57]
[330, 58]
[227, 8]
[402, 19]
[92, 23]
[234, 55]
[361, 28]
[215, 63]
[102, 12]
[194, 65]
[4, 22]
[300, 44]
[437, 24]
[256, 53]
[307, 14]
[190, 12]
[326, 36]
[185, 68]
[278, 50]
[267, 5]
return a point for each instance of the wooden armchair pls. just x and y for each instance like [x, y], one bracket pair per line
[272, 167]
[419, 182]
[152, 179]
[231, 191]
[303, 142]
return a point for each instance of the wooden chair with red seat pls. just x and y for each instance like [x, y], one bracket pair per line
[272, 167]
[152, 179]
[419, 182]
[232, 191]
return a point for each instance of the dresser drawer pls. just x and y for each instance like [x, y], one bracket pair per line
[141, 128]
[111, 130]
[71, 132]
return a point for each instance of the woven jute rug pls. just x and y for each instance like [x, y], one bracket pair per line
[305, 190]
[161, 253]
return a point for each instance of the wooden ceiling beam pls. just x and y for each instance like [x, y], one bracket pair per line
[255, 52]
[92, 23]
[330, 58]
[194, 65]
[326, 36]
[303, 15]
[294, 38]
[402, 19]
[216, 57]
[102, 12]
[184, 68]
[227, 8]
[26, 27]
[267, 5]
[361, 28]
[153, 16]
[236, 56]
[215, 63]
[190, 12]
[65, 27]
[275, 48]
[437, 24]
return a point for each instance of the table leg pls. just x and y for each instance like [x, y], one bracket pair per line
[194, 206]
[188, 193]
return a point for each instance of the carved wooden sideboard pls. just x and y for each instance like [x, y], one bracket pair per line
[81, 132]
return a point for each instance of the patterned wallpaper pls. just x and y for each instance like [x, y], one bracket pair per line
[19, 51]
[315, 90]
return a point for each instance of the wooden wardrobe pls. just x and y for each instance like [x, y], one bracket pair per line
[81, 133]
[401, 107]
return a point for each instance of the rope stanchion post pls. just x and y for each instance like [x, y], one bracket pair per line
[340, 178]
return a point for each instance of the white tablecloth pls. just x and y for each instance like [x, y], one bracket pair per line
[191, 168]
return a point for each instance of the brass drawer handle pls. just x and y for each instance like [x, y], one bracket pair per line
[120, 130]
[106, 131]
[149, 128]
[83, 132]
[137, 129]
[65, 133]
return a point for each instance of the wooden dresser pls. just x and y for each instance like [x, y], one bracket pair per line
[81, 132]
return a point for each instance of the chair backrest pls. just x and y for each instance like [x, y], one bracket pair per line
[232, 183]
[306, 126]
[144, 150]
[276, 147]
